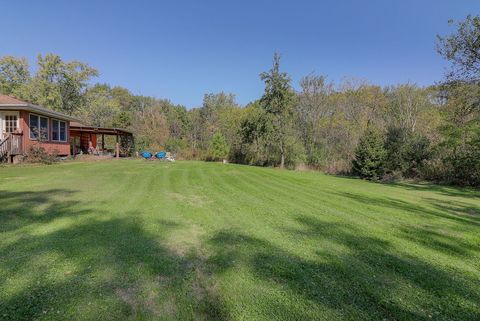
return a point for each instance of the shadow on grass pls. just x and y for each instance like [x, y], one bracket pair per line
[447, 210]
[446, 190]
[18, 209]
[457, 208]
[454, 191]
[436, 240]
[94, 267]
[368, 279]
[440, 236]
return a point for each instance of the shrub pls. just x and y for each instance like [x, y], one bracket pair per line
[38, 154]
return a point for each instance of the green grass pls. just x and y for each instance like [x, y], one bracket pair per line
[139, 240]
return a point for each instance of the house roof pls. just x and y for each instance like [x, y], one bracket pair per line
[6, 100]
[76, 126]
[11, 103]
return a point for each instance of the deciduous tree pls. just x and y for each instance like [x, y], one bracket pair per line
[14, 73]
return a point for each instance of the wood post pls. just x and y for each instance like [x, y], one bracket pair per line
[81, 136]
[117, 148]
[103, 143]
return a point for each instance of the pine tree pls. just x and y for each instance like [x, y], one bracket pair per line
[219, 148]
[370, 155]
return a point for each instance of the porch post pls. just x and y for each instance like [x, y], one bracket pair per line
[103, 143]
[74, 146]
[117, 148]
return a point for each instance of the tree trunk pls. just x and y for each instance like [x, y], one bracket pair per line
[282, 155]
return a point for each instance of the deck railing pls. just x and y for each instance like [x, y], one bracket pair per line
[4, 148]
[10, 146]
[16, 147]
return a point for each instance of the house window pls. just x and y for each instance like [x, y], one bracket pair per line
[11, 122]
[63, 131]
[59, 131]
[38, 127]
[33, 124]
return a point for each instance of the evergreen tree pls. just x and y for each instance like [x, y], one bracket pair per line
[277, 101]
[406, 152]
[370, 155]
[219, 148]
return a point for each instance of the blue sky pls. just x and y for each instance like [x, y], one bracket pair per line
[182, 49]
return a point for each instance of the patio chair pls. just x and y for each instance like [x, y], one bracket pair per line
[146, 155]
[160, 155]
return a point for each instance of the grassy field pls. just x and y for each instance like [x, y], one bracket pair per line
[139, 240]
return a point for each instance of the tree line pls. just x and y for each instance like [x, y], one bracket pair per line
[350, 127]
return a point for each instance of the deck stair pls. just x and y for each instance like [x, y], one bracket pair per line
[4, 149]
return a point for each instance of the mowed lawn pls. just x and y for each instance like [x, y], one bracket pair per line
[144, 240]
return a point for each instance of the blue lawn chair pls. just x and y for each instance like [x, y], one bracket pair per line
[146, 155]
[161, 155]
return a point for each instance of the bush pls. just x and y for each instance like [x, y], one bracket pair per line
[38, 154]
[370, 155]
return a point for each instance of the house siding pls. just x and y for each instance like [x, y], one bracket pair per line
[61, 148]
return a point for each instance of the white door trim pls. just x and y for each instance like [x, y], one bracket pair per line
[1, 125]
[2, 121]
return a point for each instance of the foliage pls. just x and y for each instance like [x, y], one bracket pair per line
[57, 84]
[313, 107]
[406, 103]
[101, 109]
[277, 101]
[460, 153]
[370, 155]
[256, 132]
[407, 152]
[320, 126]
[219, 148]
[175, 145]
[14, 73]
[150, 128]
[462, 49]
[38, 154]
[460, 94]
